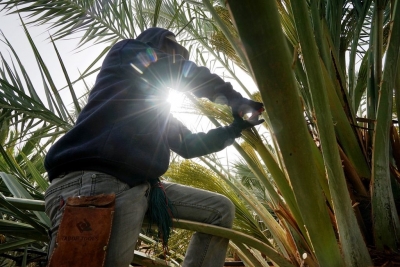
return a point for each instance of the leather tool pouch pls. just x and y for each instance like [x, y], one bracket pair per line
[84, 232]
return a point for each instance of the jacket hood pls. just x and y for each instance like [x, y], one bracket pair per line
[156, 38]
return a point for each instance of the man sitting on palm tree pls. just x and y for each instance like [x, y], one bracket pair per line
[121, 144]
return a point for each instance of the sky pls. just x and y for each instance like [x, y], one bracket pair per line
[75, 61]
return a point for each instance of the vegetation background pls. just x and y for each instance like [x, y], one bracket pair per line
[316, 185]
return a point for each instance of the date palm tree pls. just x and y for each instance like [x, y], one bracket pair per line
[316, 185]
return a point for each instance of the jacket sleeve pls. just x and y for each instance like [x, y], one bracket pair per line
[189, 145]
[184, 75]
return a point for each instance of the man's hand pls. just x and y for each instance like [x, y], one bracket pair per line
[242, 106]
[238, 124]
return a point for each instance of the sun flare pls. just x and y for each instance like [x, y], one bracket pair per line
[176, 99]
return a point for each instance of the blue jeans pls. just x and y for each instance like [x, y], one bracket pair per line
[130, 208]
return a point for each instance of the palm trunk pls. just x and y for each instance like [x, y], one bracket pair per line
[270, 60]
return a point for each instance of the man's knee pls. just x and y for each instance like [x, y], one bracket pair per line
[227, 209]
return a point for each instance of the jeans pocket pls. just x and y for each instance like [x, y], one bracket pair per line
[64, 183]
[58, 192]
[106, 184]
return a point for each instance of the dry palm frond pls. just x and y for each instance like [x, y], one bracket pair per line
[193, 174]
[222, 113]
[177, 245]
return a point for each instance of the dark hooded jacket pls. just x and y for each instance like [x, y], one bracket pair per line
[126, 129]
